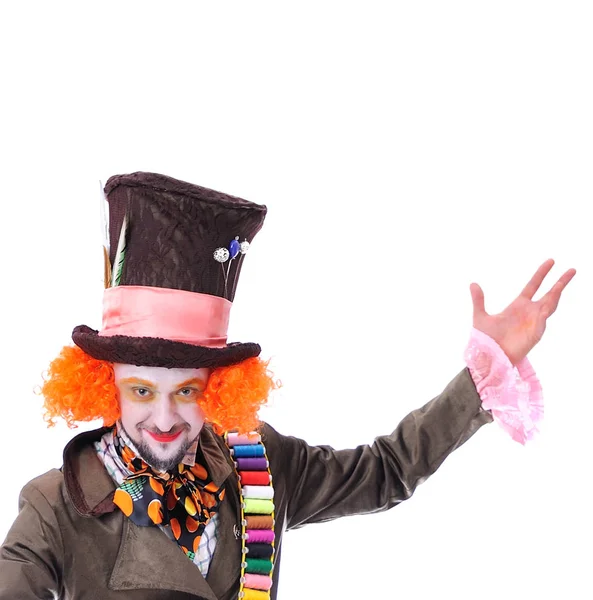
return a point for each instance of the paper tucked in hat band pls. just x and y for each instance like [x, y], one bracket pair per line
[177, 315]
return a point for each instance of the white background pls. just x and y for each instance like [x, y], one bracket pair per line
[404, 150]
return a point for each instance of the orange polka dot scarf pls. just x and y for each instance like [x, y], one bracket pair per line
[185, 499]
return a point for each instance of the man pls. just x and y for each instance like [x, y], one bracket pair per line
[174, 497]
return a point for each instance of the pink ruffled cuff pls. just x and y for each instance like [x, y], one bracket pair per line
[512, 394]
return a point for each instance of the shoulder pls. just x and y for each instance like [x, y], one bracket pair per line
[48, 481]
[52, 484]
[284, 451]
[43, 492]
[271, 438]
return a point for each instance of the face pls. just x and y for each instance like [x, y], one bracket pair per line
[159, 410]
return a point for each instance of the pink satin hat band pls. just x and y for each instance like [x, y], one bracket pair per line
[177, 315]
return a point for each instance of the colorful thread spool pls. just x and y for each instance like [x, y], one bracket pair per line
[258, 507]
[252, 451]
[258, 522]
[254, 477]
[249, 594]
[234, 439]
[258, 582]
[252, 464]
[260, 535]
[263, 492]
[257, 515]
[258, 565]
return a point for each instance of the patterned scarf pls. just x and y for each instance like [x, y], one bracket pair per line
[184, 499]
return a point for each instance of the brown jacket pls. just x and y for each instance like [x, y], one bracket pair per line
[69, 539]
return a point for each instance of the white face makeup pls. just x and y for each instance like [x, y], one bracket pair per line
[159, 410]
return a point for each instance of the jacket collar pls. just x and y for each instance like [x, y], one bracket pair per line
[147, 558]
[90, 487]
[146, 551]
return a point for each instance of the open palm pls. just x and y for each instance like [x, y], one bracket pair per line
[521, 325]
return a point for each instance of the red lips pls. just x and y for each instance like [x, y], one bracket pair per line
[165, 437]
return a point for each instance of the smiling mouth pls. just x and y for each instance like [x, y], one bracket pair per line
[165, 437]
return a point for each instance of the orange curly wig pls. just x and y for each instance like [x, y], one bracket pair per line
[79, 387]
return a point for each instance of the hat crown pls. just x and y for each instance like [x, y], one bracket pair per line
[173, 229]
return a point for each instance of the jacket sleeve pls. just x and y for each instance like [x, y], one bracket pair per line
[31, 556]
[322, 484]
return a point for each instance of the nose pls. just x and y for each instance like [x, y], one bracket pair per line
[165, 415]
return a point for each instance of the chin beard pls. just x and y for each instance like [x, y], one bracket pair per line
[160, 464]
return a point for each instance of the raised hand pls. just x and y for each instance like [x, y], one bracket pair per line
[521, 325]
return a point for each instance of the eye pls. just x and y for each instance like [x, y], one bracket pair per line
[188, 394]
[142, 392]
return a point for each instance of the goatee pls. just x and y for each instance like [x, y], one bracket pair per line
[158, 463]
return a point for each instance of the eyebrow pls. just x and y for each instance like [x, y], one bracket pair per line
[147, 383]
[138, 380]
[197, 380]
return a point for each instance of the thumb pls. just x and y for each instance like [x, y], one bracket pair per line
[477, 299]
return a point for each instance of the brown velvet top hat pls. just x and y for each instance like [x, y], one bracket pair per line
[175, 256]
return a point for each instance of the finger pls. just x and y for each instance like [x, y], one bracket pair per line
[477, 300]
[534, 283]
[551, 299]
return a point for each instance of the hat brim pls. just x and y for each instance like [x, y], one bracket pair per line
[157, 352]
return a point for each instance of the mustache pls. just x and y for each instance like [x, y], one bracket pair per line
[157, 431]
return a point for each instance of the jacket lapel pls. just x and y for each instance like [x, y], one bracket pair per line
[148, 559]
[225, 568]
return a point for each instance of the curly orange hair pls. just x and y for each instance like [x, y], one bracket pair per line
[79, 387]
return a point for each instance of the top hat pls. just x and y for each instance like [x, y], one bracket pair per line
[176, 251]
